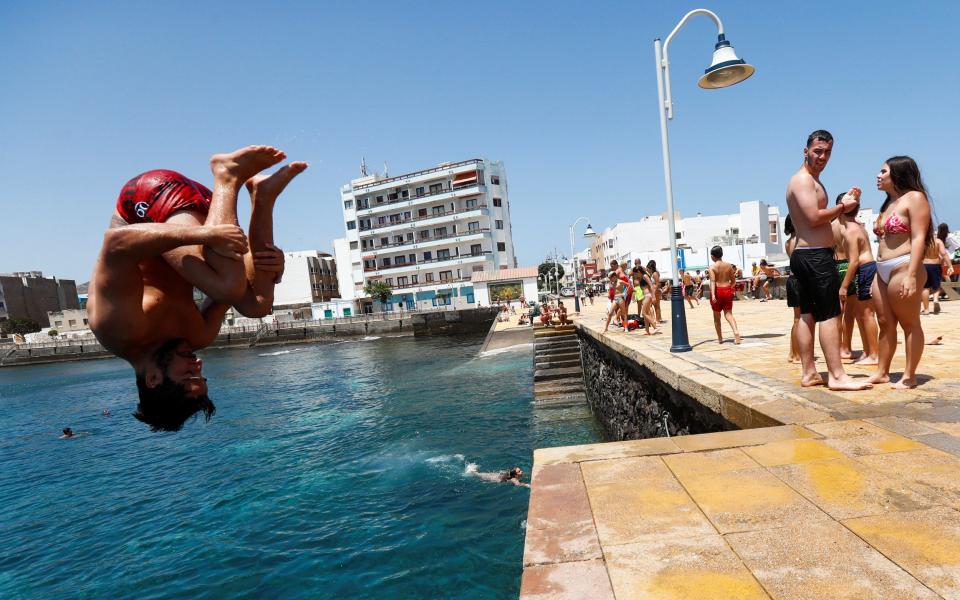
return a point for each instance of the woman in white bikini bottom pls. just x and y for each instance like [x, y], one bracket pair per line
[885, 268]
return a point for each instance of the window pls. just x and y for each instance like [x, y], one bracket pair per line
[476, 249]
[438, 210]
[497, 202]
[405, 194]
[379, 199]
[85, 322]
[363, 203]
[410, 237]
[773, 232]
[422, 212]
[446, 275]
[436, 188]
[395, 218]
[428, 277]
[406, 215]
[351, 225]
[389, 280]
[425, 234]
[499, 224]
[471, 203]
[443, 254]
[412, 258]
[348, 204]
[428, 255]
[413, 279]
[401, 260]
[402, 281]
[495, 180]
[381, 220]
[501, 246]
[477, 268]
[353, 245]
[384, 241]
[370, 264]
[392, 197]
[439, 232]
[386, 262]
[398, 239]
[59, 323]
[419, 191]
[473, 226]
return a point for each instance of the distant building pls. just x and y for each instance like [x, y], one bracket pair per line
[504, 285]
[30, 295]
[426, 233]
[68, 320]
[309, 276]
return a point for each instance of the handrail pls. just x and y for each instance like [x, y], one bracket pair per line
[413, 200]
[430, 260]
[425, 240]
[424, 218]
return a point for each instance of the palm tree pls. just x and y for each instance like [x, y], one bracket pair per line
[379, 290]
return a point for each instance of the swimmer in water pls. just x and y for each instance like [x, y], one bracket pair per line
[513, 476]
[67, 433]
[168, 236]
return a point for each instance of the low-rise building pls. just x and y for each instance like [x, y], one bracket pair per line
[309, 276]
[69, 320]
[490, 287]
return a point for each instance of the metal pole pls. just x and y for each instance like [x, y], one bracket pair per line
[576, 293]
[680, 342]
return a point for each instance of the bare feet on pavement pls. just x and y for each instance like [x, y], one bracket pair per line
[812, 381]
[847, 384]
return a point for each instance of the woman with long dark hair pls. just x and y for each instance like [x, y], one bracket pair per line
[905, 230]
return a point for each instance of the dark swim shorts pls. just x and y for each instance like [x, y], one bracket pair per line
[153, 196]
[842, 267]
[793, 295]
[865, 274]
[818, 282]
[934, 277]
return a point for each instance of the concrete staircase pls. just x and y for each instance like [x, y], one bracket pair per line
[557, 375]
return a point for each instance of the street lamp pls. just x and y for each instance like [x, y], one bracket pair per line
[589, 233]
[725, 70]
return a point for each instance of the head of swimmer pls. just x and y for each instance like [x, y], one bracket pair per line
[515, 473]
[817, 153]
[171, 387]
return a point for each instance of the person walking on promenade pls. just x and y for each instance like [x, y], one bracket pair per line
[793, 295]
[687, 281]
[812, 262]
[857, 275]
[618, 301]
[935, 262]
[905, 229]
[657, 290]
[723, 277]
[764, 276]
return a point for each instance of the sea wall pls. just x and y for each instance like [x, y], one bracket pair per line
[631, 401]
[474, 320]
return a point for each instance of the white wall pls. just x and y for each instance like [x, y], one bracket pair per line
[294, 288]
[341, 253]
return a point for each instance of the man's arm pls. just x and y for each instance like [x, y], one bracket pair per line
[853, 261]
[213, 313]
[804, 190]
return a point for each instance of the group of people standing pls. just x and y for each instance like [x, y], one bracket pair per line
[836, 281]
[642, 285]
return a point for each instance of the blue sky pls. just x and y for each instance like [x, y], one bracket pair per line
[563, 92]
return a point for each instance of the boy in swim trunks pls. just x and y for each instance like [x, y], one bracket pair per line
[723, 277]
[856, 268]
[141, 305]
[818, 284]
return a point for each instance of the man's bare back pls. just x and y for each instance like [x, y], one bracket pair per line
[723, 274]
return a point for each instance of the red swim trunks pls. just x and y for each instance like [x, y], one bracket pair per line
[724, 299]
[153, 196]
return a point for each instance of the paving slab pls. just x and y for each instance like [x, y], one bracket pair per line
[581, 580]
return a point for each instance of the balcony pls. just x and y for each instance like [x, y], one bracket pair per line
[462, 236]
[433, 263]
[430, 284]
[442, 195]
[373, 185]
[443, 216]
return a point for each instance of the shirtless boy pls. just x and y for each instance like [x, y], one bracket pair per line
[141, 293]
[856, 267]
[818, 284]
[723, 277]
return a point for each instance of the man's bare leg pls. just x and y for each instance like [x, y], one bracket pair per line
[264, 191]
[805, 328]
[716, 325]
[830, 344]
[217, 273]
[733, 324]
[867, 322]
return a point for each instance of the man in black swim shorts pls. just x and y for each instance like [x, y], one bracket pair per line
[818, 284]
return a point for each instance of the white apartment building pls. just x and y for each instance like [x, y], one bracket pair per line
[309, 276]
[755, 232]
[425, 233]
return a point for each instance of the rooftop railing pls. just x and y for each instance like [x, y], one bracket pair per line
[437, 169]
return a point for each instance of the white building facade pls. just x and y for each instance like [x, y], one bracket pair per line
[309, 276]
[426, 233]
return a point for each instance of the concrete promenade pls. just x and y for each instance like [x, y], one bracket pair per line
[820, 495]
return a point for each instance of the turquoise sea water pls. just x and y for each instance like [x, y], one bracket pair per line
[340, 470]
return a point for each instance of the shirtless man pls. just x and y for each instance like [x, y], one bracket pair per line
[818, 284]
[723, 277]
[141, 294]
[856, 267]
[688, 287]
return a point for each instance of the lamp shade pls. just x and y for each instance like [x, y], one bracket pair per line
[725, 69]
[589, 232]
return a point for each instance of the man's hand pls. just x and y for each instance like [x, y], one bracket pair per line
[843, 298]
[271, 261]
[850, 200]
[227, 240]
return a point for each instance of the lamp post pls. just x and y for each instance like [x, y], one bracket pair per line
[725, 70]
[589, 233]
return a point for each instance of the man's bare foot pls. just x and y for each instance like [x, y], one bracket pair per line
[904, 384]
[937, 341]
[737, 339]
[719, 340]
[811, 381]
[240, 165]
[793, 359]
[266, 188]
[867, 361]
[879, 378]
[848, 384]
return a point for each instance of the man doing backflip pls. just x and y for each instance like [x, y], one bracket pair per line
[169, 235]
[818, 283]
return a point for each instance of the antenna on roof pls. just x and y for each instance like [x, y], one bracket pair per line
[386, 173]
[363, 166]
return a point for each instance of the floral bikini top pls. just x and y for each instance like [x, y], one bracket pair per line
[893, 224]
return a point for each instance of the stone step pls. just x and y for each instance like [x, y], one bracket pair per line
[560, 400]
[557, 356]
[558, 385]
[564, 349]
[566, 335]
[549, 333]
[551, 374]
[558, 364]
[566, 343]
